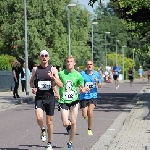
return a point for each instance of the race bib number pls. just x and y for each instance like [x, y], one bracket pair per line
[68, 95]
[89, 85]
[116, 73]
[44, 85]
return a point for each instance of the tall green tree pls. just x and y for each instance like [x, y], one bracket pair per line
[47, 29]
[108, 22]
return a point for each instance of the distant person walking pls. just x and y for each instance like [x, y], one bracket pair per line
[130, 74]
[16, 70]
[140, 73]
[116, 71]
[23, 78]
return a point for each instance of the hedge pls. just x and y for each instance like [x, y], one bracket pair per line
[6, 61]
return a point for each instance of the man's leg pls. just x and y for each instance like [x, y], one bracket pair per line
[85, 112]
[49, 109]
[64, 117]
[90, 117]
[49, 123]
[73, 114]
[117, 81]
[17, 86]
[84, 108]
[39, 115]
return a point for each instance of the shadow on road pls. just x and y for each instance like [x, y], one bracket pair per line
[64, 133]
[114, 101]
[12, 149]
[38, 146]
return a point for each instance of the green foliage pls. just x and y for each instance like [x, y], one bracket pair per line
[128, 62]
[108, 22]
[5, 62]
[47, 29]
[135, 15]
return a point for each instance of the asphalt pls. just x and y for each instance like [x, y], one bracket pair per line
[19, 130]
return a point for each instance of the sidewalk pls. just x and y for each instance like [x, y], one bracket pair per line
[131, 130]
[7, 100]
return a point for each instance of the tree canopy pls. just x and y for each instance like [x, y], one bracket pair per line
[47, 29]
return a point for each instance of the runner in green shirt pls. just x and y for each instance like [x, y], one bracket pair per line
[69, 101]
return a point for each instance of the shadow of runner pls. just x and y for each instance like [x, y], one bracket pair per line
[37, 146]
[65, 133]
[114, 102]
[12, 149]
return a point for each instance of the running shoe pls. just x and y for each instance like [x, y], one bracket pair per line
[49, 146]
[69, 127]
[70, 145]
[90, 132]
[43, 135]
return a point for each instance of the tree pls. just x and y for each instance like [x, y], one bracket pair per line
[128, 62]
[107, 22]
[47, 29]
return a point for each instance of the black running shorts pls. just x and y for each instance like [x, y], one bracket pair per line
[46, 104]
[115, 77]
[87, 102]
[67, 106]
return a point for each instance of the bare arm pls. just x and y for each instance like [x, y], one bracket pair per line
[56, 77]
[32, 78]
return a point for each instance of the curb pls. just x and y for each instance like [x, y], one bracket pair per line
[109, 135]
[27, 100]
[14, 103]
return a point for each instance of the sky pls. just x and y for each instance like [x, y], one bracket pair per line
[85, 3]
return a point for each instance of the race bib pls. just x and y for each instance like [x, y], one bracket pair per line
[89, 85]
[44, 85]
[68, 95]
[116, 73]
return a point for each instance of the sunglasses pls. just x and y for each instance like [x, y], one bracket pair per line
[44, 55]
[89, 64]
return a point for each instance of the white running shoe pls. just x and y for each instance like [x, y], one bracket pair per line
[118, 85]
[43, 136]
[49, 146]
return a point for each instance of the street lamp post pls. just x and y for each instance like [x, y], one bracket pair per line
[123, 62]
[26, 50]
[133, 61]
[106, 33]
[116, 51]
[69, 43]
[93, 23]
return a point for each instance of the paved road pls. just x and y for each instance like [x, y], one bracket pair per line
[19, 131]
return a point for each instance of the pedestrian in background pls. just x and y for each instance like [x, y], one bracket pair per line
[23, 77]
[130, 74]
[140, 72]
[16, 70]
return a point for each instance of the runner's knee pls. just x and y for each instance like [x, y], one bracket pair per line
[84, 114]
[90, 113]
[65, 123]
[49, 123]
[39, 118]
[73, 122]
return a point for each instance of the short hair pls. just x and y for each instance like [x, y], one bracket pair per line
[89, 60]
[69, 57]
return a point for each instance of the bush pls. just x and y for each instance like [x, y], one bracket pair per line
[6, 61]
